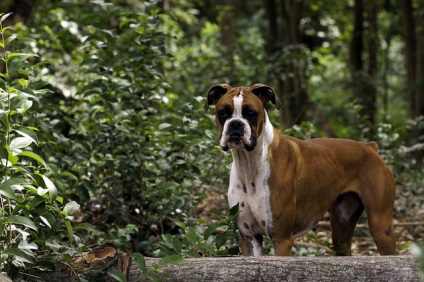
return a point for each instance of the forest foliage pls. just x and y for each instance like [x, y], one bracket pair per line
[103, 134]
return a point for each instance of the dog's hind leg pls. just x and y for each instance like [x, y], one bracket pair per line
[379, 208]
[344, 214]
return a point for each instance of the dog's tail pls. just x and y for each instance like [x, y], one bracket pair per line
[373, 145]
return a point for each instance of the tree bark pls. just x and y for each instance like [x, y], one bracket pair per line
[408, 25]
[360, 268]
[286, 51]
[227, 25]
[413, 33]
[417, 101]
[364, 72]
[294, 269]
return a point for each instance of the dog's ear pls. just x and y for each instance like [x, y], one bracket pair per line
[265, 93]
[216, 92]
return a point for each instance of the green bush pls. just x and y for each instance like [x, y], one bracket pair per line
[32, 214]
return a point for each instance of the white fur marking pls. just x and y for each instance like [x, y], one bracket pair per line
[247, 168]
[238, 101]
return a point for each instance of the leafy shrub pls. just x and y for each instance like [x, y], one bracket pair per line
[198, 241]
[132, 151]
[31, 211]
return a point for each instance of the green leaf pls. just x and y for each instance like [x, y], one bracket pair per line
[25, 106]
[69, 229]
[181, 224]
[23, 82]
[140, 261]
[70, 175]
[167, 238]
[3, 17]
[48, 219]
[170, 259]
[12, 159]
[221, 238]
[20, 142]
[25, 55]
[7, 192]
[117, 274]
[211, 228]
[86, 226]
[10, 39]
[164, 125]
[176, 245]
[234, 210]
[71, 207]
[33, 156]
[154, 278]
[24, 256]
[5, 187]
[52, 188]
[191, 234]
[216, 212]
[21, 220]
[196, 141]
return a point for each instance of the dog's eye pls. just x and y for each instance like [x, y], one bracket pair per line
[250, 114]
[223, 114]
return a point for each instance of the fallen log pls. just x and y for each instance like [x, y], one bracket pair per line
[95, 267]
[363, 268]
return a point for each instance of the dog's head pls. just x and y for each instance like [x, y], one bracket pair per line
[240, 113]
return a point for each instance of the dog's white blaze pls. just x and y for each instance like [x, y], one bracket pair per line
[238, 102]
[249, 187]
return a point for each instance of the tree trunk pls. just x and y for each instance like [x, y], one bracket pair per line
[417, 101]
[363, 72]
[379, 268]
[413, 33]
[370, 97]
[408, 24]
[227, 25]
[291, 81]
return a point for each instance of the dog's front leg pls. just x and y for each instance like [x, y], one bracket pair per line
[284, 219]
[282, 247]
[251, 245]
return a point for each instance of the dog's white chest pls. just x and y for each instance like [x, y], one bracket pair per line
[249, 188]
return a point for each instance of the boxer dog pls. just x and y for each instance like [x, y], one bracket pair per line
[284, 185]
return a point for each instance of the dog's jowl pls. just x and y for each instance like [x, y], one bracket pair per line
[284, 185]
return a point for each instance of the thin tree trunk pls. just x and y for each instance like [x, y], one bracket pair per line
[364, 73]
[227, 24]
[418, 96]
[408, 25]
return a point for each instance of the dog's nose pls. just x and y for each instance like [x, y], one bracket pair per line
[236, 125]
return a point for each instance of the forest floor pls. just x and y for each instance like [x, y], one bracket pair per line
[408, 222]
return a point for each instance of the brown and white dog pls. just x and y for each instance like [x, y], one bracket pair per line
[284, 185]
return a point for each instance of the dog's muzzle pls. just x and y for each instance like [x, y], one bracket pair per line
[236, 136]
